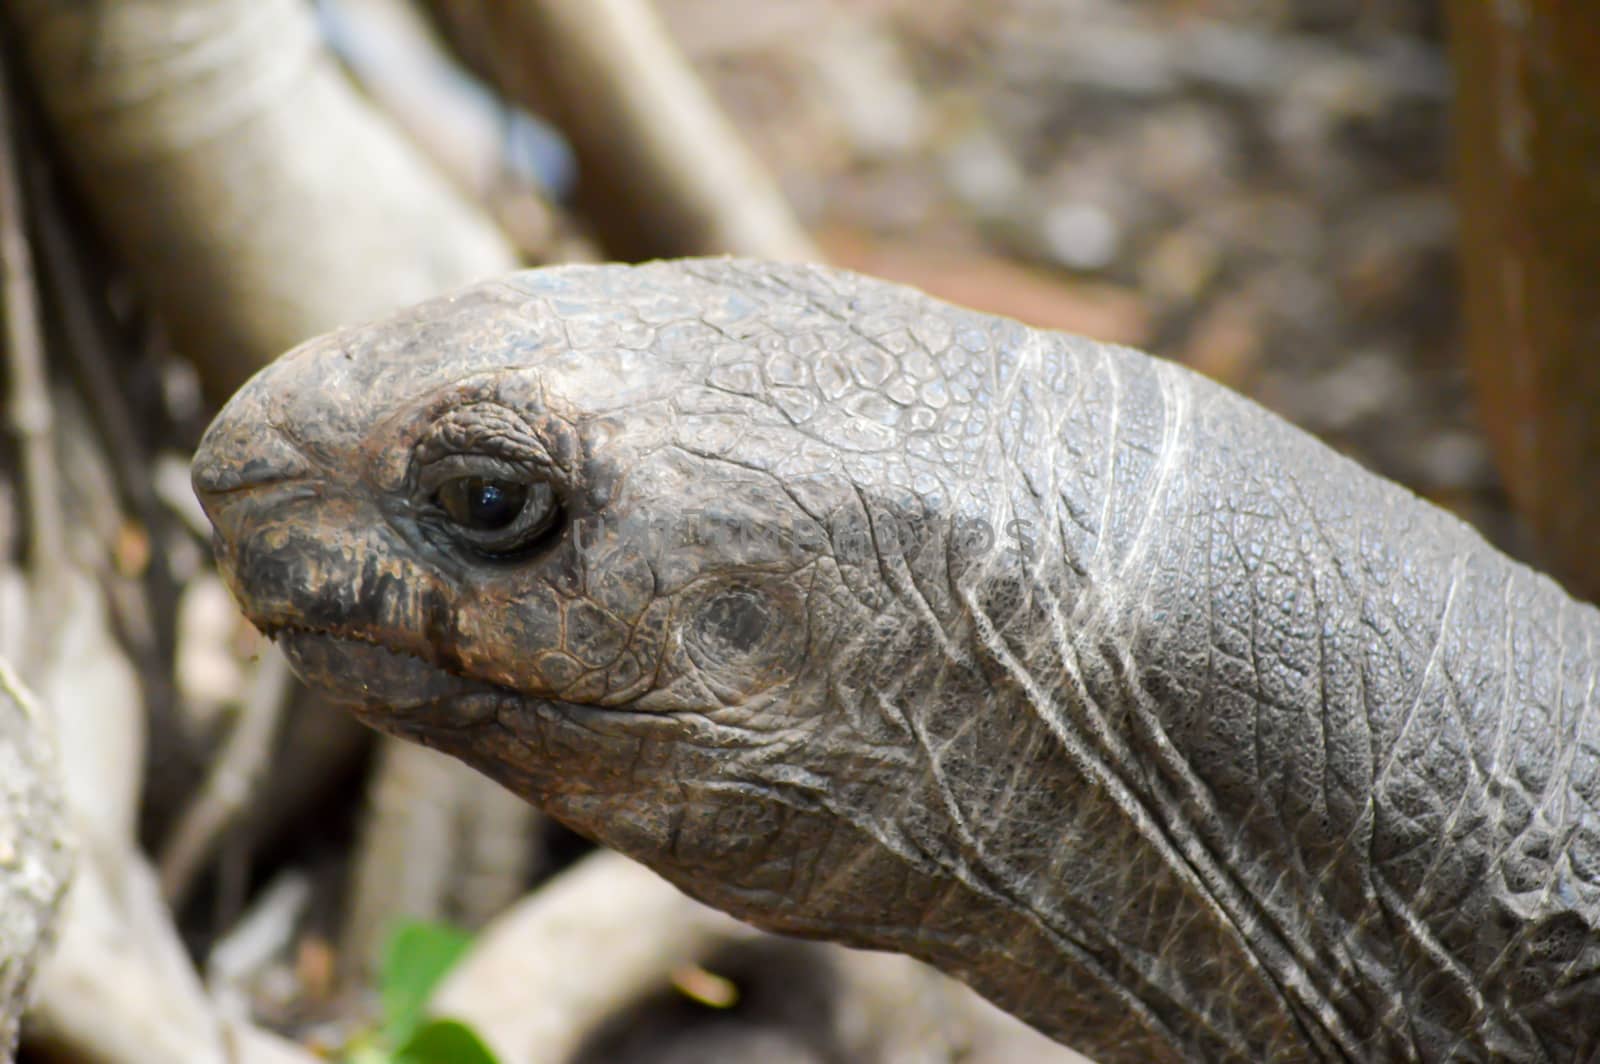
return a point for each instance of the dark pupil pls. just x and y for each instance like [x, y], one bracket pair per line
[482, 504]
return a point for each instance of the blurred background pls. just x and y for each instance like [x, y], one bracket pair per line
[1379, 218]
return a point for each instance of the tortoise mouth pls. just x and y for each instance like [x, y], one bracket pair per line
[407, 696]
[374, 678]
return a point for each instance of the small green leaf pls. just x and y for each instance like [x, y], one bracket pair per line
[415, 958]
[445, 1042]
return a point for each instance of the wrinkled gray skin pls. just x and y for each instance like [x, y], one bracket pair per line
[870, 618]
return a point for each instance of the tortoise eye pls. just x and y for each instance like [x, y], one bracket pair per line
[481, 504]
[495, 516]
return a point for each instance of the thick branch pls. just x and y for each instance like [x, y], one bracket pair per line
[662, 171]
[258, 197]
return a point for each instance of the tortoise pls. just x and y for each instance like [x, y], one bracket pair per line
[866, 617]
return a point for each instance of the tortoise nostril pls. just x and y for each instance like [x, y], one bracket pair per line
[238, 454]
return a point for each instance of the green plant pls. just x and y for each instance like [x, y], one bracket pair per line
[416, 956]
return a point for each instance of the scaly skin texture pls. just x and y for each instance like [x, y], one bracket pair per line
[866, 617]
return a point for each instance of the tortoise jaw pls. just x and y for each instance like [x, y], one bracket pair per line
[370, 676]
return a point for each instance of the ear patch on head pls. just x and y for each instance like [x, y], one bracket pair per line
[745, 636]
[734, 622]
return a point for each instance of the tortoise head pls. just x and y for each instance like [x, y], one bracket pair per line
[591, 530]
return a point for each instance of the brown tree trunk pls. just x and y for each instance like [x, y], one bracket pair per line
[1528, 130]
